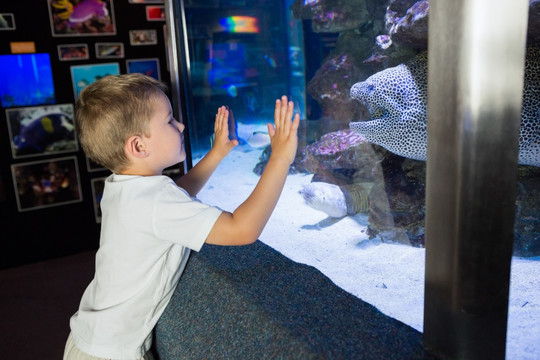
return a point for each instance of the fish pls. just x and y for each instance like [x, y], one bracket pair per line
[270, 60]
[87, 9]
[81, 12]
[232, 91]
[396, 99]
[44, 131]
[250, 102]
[337, 201]
[258, 139]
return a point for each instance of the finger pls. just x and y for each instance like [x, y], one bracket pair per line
[221, 119]
[277, 111]
[289, 114]
[218, 117]
[295, 123]
[271, 130]
[283, 110]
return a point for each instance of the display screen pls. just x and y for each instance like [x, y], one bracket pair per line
[26, 80]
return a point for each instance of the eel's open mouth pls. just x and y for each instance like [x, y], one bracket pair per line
[370, 110]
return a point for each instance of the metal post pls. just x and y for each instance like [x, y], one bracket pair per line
[475, 82]
[179, 68]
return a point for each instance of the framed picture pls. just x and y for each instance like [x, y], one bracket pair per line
[146, 1]
[92, 166]
[81, 17]
[46, 183]
[98, 185]
[155, 13]
[149, 67]
[7, 21]
[26, 80]
[109, 50]
[142, 37]
[84, 75]
[71, 52]
[41, 130]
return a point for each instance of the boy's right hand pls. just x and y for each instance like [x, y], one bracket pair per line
[284, 132]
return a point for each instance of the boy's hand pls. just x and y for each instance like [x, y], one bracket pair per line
[283, 135]
[222, 144]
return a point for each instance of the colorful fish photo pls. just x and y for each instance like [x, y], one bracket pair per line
[148, 67]
[41, 130]
[109, 50]
[46, 183]
[82, 17]
[84, 75]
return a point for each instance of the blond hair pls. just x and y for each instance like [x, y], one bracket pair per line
[111, 110]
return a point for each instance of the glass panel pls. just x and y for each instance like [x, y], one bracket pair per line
[353, 205]
[523, 328]
[243, 55]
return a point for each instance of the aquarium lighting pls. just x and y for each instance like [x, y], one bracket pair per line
[240, 24]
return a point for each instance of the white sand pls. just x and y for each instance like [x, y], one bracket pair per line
[390, 277]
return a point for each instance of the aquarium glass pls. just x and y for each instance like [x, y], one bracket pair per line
[240, 56]
[26, 80]
[354, 202]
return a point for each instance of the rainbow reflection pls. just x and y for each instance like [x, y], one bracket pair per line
[240, 24]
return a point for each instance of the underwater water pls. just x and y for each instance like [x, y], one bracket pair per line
[243, 57]
[354, 203]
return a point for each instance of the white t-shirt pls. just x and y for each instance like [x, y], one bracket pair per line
[148, 226]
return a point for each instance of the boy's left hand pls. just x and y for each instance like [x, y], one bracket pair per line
[222, 144]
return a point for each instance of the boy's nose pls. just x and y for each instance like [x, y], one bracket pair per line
[181, 126]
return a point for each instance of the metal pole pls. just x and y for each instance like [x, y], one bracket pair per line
[475, 82]
[179, 68]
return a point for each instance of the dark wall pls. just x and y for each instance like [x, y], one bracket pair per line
[60, 227]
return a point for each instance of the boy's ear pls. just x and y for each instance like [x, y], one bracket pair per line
[135, 147]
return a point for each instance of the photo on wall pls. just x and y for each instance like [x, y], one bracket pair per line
[146, 1]
[26, 80]
[46, 183]
[81, 17]
[98, 185]
[70, 52]
[109, 50]
[149, 67]
[142, 37]
[41, 130]
[155, 13]
[93, 166]
[84, 75]
[7, 21]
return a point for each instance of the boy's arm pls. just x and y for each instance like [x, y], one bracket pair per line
[194, 180]
[246, 223]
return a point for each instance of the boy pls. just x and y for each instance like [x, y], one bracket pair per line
[149, 223]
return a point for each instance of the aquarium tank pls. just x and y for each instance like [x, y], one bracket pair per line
[354, 202]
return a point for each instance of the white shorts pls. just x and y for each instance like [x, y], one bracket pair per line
[72, 352]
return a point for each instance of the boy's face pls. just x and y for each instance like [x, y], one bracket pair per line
[166, 142]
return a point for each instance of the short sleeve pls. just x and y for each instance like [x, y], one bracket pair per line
[180, 219]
